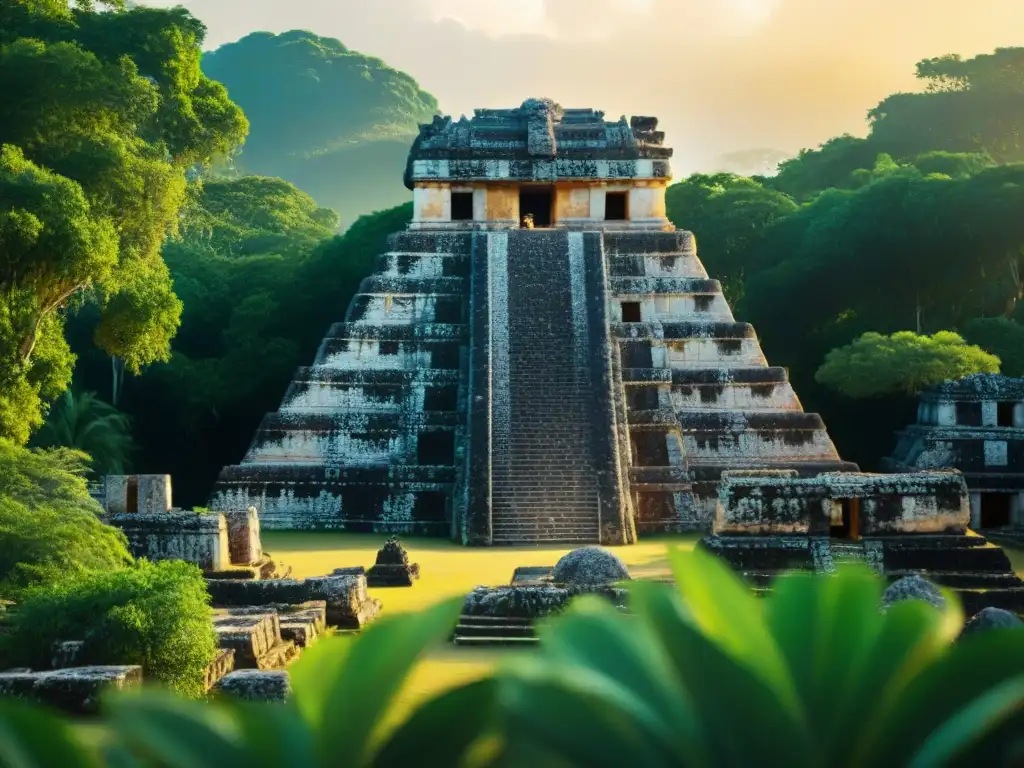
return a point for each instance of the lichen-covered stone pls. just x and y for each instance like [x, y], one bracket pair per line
[75, 690]
[195, 538]
[992, 618]
[912, 588]
[516, 602]
[589, 566]
[269, 686]
[348, 604]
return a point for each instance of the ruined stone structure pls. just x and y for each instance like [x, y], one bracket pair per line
[540, 357]
[195, 538]
[899, 525]
[975, 425]
[128, 494]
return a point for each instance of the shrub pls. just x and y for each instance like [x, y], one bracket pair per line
[704, 675]
[154, 614]
[49, 525]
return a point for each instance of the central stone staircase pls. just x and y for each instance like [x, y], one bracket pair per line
[545, 485]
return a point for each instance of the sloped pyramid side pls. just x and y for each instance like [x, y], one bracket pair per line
[697, 381]
[365, 437]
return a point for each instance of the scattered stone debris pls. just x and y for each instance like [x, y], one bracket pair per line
[589, 566]
[256, 685]
[992, 618]
[392, 568]
[75, 690]
[912, 588]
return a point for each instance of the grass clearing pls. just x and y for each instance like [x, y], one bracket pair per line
[448, 570]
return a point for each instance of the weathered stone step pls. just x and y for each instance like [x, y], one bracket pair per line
[493, 641]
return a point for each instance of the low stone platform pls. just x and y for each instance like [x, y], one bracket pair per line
[980, 573]
[75, 690]
[347, 604]
[255, 685]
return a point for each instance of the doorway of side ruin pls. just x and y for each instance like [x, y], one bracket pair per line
[996, 510]
[131, 501]
[537, 202]
[846, 520]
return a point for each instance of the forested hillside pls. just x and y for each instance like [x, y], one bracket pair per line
[332, 121]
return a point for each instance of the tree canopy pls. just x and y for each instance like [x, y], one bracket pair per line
[901, 363]
[103, 113]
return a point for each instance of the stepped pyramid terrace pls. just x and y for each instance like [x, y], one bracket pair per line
[540, 357]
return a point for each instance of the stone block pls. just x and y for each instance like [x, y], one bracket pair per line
[355, 570]
[244, 536]
[256, 685]
[222, 664]
[131, 494]
[236, 592]
[196, 538]
[348, 604]
[250, 635]
[75, 690]
[301, 624]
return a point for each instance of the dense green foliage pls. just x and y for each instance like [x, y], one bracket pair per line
[903, 363]
[730, 215]
[103, 112]
[333, 121]
[49, 525]
[87, 424]
[1002, 337]
[251, 318]
[156, 615]
[703, 675]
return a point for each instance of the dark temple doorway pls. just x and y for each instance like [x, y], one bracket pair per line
[995, 510]
[847, 526]
[537, 202]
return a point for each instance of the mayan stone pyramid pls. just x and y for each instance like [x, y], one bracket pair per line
[540, 357]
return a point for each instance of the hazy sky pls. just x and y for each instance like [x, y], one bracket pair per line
[723, 75]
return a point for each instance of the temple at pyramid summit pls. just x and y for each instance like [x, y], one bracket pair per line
[539, 357]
